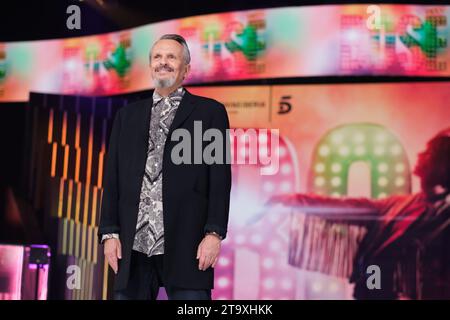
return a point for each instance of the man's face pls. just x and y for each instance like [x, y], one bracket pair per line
[167, 64]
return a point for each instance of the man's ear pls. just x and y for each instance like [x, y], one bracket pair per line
[187, 70]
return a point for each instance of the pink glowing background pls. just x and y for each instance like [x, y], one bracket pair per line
[254, 263]
[267, 43]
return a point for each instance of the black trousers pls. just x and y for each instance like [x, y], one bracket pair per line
[146, 279]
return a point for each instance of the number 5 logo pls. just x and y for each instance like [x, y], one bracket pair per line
[285, 106]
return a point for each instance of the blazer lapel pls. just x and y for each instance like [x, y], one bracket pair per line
[142, 123]
[184, 110]
[144, 116]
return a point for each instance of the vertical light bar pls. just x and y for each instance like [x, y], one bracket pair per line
[71, 227]
[94, 206]
[77, 203]
[95, 259]
[105, 280]
[90, 280]
[77, 131]
[90, 145]
[77, 240]
[66, 161]
[77, 148]
[77, 164]
[64, 237]
[83, 241]
[89, 244]
[50, 126]
[60, 197]
[102, 155]
[64, 129]
[54, 155]
[100, 169]
[69, 199]
[87, 191]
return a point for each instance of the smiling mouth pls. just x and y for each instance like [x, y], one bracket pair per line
[163, 73]
[163, 69]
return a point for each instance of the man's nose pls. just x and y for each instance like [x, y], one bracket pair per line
[164, 61]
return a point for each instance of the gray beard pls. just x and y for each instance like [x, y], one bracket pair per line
[164, 83]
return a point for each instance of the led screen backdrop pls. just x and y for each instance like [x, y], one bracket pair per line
[357, 140]
[342, 139]
[266, 43]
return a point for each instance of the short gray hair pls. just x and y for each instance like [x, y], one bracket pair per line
[180, 40]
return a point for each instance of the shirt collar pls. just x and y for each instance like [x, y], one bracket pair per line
[176, 93]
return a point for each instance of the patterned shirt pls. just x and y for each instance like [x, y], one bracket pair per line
[149, 237]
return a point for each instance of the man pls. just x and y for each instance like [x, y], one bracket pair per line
[162, 222]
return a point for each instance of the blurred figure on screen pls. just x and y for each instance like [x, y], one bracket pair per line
[407, 235]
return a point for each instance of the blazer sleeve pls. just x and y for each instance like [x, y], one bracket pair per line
[109, 219]
[220, 179]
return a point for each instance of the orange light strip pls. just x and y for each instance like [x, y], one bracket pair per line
[101, 157]
[66, 161]
[50, 126]
[54, 155]
[105, 125]
[64, 129]
[77, 164]
[77, 132]
[94, 206]
[90, 145]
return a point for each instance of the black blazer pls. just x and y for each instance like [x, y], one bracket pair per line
[195, 196]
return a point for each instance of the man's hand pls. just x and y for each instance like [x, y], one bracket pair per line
[113, 251]
[208, 252]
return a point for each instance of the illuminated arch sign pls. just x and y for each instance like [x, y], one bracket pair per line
[362, 142]
[265, 43]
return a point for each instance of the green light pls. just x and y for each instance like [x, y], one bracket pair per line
[336, 167]
[336, 181]
[324, 150]
[359, 138]
[360, 150]
[383, 167]
[320, 167]
[337, 138]
[379, 150]
[399, 181]
[396, 150]
[344, 151]
[320, 181]
[382, 181]
[399, 167]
